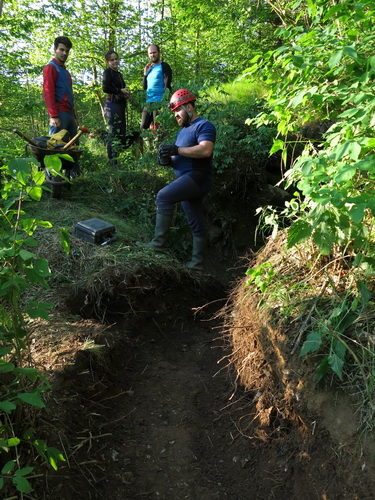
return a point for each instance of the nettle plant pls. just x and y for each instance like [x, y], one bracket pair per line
[21, 384]
[325, 69]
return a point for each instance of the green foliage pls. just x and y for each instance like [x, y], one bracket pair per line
[334, 334]
[325, 69]
[260, 277]
[327, 72]
[20, 382]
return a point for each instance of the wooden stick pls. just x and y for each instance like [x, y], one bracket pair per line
[68, 144]
[30, 141]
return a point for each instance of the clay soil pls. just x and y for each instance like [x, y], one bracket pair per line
[158, 412]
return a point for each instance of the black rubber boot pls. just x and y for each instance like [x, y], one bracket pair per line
[198, 256]
[162, 225]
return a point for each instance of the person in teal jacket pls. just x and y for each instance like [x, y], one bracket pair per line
[157, 77]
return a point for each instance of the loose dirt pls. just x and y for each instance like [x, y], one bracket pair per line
[157, 413]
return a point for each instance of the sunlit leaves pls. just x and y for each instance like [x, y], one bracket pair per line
[335, 58]
[65, 240]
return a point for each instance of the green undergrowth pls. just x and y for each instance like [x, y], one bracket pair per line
[326, 308]
[122, 198]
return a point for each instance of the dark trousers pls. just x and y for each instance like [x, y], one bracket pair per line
[148, 117]
[115, 114]
[189, 192]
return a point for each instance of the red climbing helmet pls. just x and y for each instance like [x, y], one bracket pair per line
[181, 97]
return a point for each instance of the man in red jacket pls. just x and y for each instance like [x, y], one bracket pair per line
[58, 91]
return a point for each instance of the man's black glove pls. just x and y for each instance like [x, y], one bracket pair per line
[168, 149]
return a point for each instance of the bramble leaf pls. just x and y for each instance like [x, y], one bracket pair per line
[312, 343]
[298, 232]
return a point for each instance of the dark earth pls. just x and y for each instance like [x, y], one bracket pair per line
[157, 412]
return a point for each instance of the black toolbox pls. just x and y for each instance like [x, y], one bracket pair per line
[95, 231]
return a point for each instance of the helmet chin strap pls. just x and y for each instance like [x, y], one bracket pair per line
[190, 115]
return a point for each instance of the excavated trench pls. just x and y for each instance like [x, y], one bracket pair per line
[156, 413]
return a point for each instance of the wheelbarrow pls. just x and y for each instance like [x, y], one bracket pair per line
[38, 149]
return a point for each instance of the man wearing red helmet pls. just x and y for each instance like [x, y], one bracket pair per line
[191, 159]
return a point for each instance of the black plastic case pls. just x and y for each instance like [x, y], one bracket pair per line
[95, 231]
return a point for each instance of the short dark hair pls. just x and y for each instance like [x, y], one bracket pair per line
[64, 40]
[109, 53]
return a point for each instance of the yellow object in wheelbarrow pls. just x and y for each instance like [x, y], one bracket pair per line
[60, 138]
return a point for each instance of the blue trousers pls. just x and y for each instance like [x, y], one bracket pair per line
[67, 122]
[115, 114]
[189, 192]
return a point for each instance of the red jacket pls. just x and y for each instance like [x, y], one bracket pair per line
[57, 88]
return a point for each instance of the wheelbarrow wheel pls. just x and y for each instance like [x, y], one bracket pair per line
[55, 183]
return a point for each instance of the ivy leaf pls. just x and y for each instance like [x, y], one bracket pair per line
[35, 192]
[349, 148]
[41, 267]
[277, 145]
[53, 162]
[345, 174]
[367, 165]
[31, 242]
[25, 255]
[297, 99]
